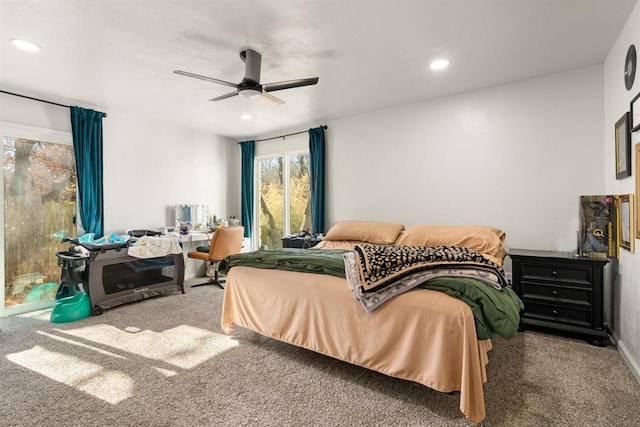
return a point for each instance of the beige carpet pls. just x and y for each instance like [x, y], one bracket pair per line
[164, 362]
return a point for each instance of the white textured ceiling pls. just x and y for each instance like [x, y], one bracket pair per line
[119, 55]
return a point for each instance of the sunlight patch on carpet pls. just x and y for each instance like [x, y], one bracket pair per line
[184, 346]
[79, 344]
[166, 372]
[109, 386]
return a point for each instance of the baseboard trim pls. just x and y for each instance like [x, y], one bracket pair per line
[626, 356]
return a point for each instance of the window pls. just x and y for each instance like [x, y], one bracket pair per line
[283, 196]
[39, 204]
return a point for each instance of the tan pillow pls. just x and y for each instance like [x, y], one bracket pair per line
[378, 233]
[486, 240]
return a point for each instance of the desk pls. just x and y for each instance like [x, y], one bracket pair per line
[190, 242]
[197, 236]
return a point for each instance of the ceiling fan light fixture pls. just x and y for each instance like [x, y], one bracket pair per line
[250, 93]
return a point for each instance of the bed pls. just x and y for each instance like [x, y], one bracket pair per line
[420, 335]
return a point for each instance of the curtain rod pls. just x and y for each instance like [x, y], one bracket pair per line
[283, 136]
[40, 100]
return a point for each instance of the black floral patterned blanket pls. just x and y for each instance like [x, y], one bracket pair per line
[377, 274]
[379, 266]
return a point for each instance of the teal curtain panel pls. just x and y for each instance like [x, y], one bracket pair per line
[317, 154]
[86, 127]
[248, 150]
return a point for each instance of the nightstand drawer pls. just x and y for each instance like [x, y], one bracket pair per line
[542, 311]
[569, 275]
[561, 294]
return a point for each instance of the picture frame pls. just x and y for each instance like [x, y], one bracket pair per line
[598, 227]
[637, 190]
[626, 222]
[623, 147]
[635, 113]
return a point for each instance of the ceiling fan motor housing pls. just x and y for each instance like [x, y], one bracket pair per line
[250, 86]
[252, 60]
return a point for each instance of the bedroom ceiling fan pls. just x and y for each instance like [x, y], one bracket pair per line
[250, 86]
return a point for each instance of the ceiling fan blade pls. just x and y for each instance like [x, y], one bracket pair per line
[270, 87]
[209, 79]
[225, 96]
[270, 99]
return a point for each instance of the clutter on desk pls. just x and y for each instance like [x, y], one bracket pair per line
[196, 215]
[192, 218]
[185, 227]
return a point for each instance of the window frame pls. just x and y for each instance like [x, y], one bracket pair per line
[16, 130]
[286, 173]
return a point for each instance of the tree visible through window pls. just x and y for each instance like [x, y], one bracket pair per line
[284, 197]
[39, 206]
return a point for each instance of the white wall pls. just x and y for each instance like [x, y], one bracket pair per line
[149, 165]
[616, 103]
[516, 157]
[38, 114]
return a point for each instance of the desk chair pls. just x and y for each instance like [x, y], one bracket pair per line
[225, 241]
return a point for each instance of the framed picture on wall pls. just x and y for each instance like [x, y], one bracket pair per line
[623, 147]
[635, 113]
[598, 227]
[638, 190]
[626, 222]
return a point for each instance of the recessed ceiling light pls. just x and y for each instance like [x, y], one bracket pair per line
[246, 117]
[25, 45]
[439, 64]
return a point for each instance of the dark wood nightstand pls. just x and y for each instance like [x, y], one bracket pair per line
[300, 242]
[561, 291]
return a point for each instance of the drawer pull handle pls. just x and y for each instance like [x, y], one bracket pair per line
[555, 293]
[554, 272]
[555, 312]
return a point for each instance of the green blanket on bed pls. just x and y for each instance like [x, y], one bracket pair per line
[290, 259]
[495, 312]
